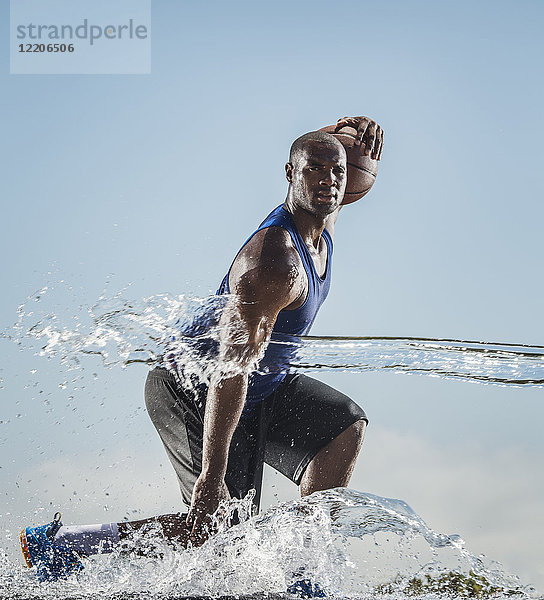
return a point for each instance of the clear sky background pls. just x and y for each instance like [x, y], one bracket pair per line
[155, 180]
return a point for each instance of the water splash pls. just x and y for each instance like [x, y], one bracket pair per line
[123, 332]
[485, 362]
[318, 533]
[263, 555]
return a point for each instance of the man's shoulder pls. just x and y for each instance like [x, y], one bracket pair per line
[270, 261]
[271, 247]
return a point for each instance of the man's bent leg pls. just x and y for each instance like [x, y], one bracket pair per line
[87, 540]
[333, 465]
[55, 550]
[315, 434]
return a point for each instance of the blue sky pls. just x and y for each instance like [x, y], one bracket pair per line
[155, 180]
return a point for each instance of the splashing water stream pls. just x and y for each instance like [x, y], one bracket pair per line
[122, 332]
[260, 555]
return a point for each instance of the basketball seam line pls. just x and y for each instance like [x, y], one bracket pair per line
[362, 169]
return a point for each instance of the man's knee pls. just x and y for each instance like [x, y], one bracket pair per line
[357, 430]
[351, 439]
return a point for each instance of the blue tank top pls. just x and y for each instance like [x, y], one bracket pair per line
[289, 322]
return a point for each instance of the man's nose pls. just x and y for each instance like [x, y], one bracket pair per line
[328, 178]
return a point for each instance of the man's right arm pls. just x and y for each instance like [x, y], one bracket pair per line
[265, 278]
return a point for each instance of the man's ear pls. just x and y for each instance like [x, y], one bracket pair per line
[289, 172]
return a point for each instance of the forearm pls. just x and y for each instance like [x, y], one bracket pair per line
[224, 405]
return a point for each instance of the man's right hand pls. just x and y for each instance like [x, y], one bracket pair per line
[208, 493]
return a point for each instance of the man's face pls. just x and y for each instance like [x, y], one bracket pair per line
[318, 177]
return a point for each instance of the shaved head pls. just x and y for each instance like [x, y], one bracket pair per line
[317, 174]
[309, 140]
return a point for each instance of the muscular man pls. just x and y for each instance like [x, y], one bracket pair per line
[219, 436]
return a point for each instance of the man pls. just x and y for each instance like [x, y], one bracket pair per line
[218, 436]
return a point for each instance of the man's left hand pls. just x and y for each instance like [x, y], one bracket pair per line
[369, 134]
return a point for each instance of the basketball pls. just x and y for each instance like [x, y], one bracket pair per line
[362, 170]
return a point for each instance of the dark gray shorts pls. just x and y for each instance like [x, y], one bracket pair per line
[286, 430]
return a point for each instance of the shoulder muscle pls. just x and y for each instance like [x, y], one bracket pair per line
[268, 270]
